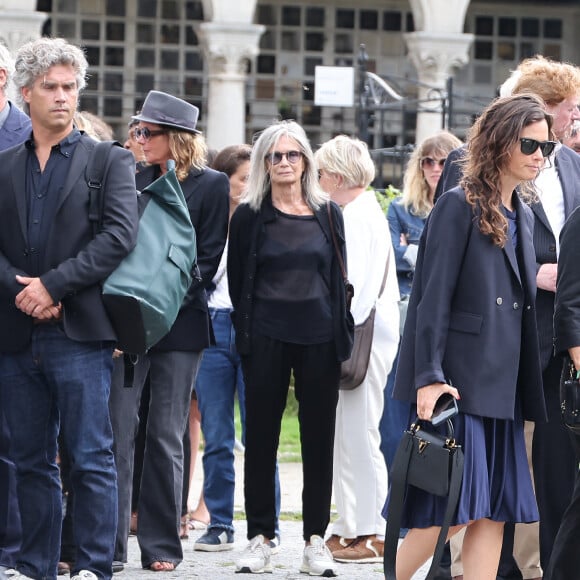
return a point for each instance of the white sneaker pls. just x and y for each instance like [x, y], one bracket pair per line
[317, 559]
[255, 559]
[274, 544]
[14, 574]
[85, 575]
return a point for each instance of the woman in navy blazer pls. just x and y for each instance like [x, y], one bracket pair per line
[471, 324]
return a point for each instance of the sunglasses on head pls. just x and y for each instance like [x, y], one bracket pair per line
[276, 157]
[146, 133]
[530, 146]
[430, 162]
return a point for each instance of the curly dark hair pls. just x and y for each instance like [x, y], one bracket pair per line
[490, 142]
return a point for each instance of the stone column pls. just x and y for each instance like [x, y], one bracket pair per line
[19, 23]
[228, 47]
[437, 48]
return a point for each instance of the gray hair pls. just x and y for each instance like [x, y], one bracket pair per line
[258, 185]
[349, 158]
[35, 58]
[6, 63]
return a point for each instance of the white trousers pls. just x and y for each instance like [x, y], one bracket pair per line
[360, 480]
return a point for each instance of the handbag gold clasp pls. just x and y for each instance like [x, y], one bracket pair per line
[423, 445]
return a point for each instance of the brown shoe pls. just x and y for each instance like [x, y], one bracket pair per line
[335, 543]
[365, 549]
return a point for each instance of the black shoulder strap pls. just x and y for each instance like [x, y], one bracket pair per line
[94, 174]
[335, 243]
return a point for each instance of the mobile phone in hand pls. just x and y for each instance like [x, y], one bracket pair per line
[445, 408]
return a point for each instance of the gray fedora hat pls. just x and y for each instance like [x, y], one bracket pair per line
[169, 111]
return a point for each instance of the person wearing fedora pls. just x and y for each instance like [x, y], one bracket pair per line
[167, 130]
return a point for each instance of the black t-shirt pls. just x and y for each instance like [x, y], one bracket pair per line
[292, 286]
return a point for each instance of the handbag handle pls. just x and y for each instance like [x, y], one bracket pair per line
[396, 501]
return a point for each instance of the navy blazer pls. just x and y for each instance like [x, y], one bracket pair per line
[207, 196]
[74, 262]
[568, 165]
[16, 128]
[471, 319]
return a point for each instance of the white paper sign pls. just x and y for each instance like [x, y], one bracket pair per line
[334, 86]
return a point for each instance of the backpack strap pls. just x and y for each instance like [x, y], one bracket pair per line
[94, 174]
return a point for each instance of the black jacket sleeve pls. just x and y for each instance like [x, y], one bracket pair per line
[567, 305]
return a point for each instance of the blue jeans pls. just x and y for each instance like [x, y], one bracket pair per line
[10, 532]
[395, 418]
[218, 379]
[58, 382]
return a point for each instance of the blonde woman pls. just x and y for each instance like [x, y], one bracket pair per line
[167, 130]
[407, 215]
[360, 475]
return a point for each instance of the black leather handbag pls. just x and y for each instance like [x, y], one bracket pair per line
[570, 396]
[434, 463]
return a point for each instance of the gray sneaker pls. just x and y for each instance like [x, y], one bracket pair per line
[317, 560]
[255, 559]
[274, 544]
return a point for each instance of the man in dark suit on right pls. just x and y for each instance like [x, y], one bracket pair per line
[14, 129]
[558, 186]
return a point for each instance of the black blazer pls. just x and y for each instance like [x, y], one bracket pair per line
[452, 172]
[471, 316]
[74, 263]
[568, 166]
[207, 195]
[567, 303]
[246, 228]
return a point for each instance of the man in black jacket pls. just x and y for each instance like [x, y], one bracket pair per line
[56, 341]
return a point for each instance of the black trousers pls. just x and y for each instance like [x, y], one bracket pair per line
[554, 461]
[267, 374]
[565, 559]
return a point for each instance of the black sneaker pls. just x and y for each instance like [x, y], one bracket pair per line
[215, 540]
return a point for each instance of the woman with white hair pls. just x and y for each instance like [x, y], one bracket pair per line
[360, 474]
[290, 317]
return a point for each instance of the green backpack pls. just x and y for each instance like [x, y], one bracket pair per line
[145, 292]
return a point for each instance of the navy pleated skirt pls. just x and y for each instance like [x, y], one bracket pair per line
[496, 478]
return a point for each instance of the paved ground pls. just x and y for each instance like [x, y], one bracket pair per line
[218, 566]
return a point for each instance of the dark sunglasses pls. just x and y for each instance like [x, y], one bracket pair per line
[530, 146]
[146, 133]
[276, 157]
[430, 162]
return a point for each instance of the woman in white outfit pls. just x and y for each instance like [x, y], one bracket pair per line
[360, 478]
